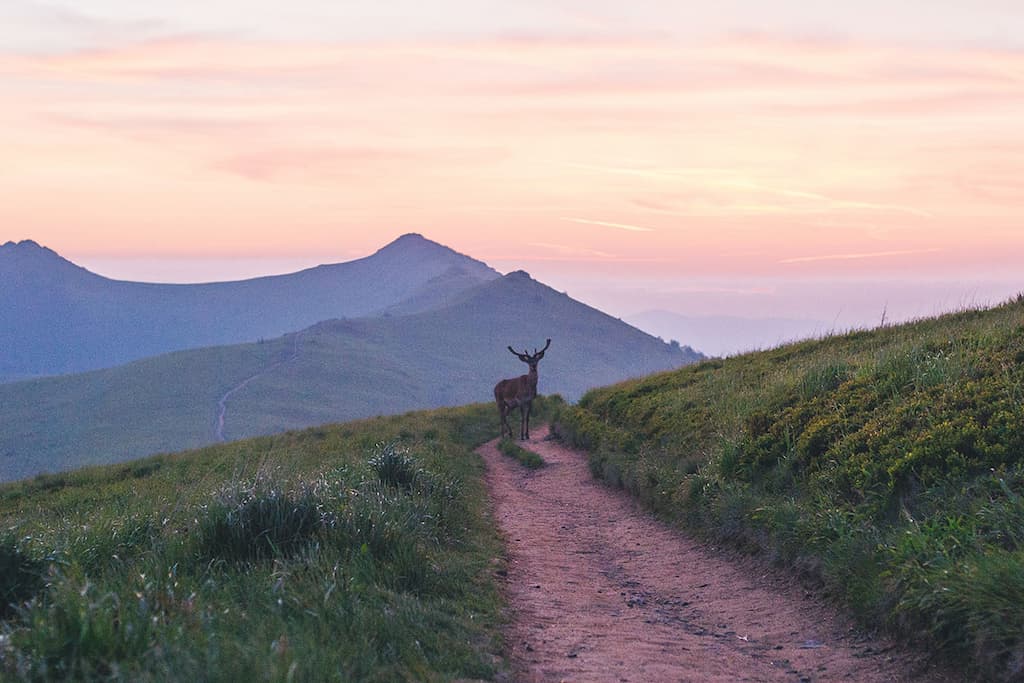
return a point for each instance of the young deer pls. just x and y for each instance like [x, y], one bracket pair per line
[519, 392]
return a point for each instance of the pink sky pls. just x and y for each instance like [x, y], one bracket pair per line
[580, 153]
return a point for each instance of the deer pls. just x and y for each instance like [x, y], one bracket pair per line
[519, 392]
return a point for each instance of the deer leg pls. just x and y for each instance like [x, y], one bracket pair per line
[526, 421]
[503, 416]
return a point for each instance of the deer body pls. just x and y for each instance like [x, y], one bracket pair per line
[519, 392]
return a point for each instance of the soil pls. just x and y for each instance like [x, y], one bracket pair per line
[600, 590]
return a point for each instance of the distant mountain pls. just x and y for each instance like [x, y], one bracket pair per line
[334, 371]
[727, 335]
[60, 318]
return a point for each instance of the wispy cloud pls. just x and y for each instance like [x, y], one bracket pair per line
[783, 146]
[738, 186]
[609, 224]
[824, 201]
[566, 250]
[859, 256]
[652, 173]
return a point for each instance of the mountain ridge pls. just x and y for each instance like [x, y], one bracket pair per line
[62, 318]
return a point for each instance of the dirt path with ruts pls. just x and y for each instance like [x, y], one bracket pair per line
[601, 591]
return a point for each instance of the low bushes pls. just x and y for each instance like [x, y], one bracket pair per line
[20, 575]
[259, 525]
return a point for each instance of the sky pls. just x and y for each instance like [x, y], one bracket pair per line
[829, 161]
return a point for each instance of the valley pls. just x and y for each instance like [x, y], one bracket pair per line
[440, 341]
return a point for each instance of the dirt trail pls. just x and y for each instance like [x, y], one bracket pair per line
[222, 403]
[602, 591]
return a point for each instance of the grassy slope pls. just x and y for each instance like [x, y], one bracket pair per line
[345, 370]
[276, 558]
[167, 403]
[887, 464]
[348, 368]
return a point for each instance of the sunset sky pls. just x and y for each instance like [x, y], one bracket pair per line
[785, 158]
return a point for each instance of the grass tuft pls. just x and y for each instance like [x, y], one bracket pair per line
[20, 575]
[393, 466]
[525, 457]
[253, 524]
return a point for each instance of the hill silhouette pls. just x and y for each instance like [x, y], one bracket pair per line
[335, 370]
[61, 318]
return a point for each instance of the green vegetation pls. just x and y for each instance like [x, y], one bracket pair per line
[527, 458]
[334, 371]
[161, 404]
[360, 551]
[885, 464]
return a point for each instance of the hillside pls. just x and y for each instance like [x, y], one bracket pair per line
[336, 370]
[60, 318]
[886, 466]
[362, 551]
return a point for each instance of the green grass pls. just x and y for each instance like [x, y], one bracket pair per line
[359, 551]
[526, 458]
[161, 404]
[335, 371]
[886, 465]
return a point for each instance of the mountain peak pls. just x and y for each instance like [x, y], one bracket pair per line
[411, 237]
[29, 252]
[24, 244]
[413, 249]
[410, 240]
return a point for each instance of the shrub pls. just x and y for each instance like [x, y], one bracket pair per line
[394, 466]
[259, 525]
[20, 575]
[823, 379]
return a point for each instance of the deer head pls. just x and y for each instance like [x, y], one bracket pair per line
[531, 359]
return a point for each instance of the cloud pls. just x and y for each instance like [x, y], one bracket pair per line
[859, 256]
[821, 201]
[673, 173]
[268, 164]
[608, 224]
[564, 250]
[37, 27]
[774, 144]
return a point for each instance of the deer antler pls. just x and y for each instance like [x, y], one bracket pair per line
[527, 357]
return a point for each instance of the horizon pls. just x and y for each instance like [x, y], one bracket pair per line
[710, 312]
[767, 160]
